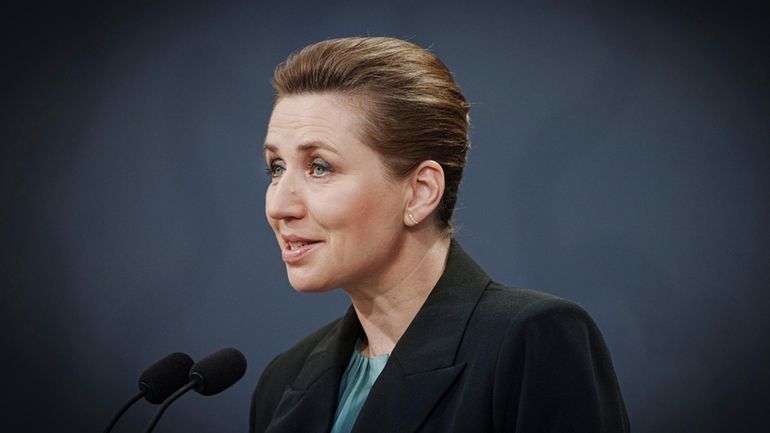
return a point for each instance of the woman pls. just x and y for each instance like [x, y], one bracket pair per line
[366, 146]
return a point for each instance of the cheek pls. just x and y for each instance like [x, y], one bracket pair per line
[333, 212]
[369, 207]
[338, 210]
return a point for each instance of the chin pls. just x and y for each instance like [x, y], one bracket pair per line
[307, 284]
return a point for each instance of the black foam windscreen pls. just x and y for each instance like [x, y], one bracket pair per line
[163, 378]
[218, 371]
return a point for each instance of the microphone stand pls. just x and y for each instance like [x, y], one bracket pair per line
[190, 385]
[123, 409]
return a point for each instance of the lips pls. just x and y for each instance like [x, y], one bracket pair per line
[297, 248]
[297, 245]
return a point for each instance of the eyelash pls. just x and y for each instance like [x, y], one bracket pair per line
[318, 162]
[314, 163]
[272, 166]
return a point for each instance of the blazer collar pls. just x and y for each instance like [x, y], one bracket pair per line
[419, 371]
[333, 350]
[432, 339]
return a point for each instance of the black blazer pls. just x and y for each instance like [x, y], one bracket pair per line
[478, 357]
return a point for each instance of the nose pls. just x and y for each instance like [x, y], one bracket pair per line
[284, 199]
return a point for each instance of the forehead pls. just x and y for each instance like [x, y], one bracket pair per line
[311, 117]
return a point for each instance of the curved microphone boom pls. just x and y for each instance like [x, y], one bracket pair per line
[157, 382]
[211, 375]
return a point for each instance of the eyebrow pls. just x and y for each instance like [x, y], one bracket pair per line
[304, 147]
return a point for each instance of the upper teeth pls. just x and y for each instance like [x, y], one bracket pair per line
[295, 245]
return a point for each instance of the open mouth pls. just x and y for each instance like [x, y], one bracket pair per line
[293, 246]
[296, 250]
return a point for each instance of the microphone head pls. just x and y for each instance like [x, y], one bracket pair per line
[218, 371]
[163, 378]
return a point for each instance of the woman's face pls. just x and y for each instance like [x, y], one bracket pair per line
[337, 215]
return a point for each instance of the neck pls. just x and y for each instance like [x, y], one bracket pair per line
[386, 311]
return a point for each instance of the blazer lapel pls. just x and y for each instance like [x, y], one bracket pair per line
[308, 404]
[400, 401]
[422, 366]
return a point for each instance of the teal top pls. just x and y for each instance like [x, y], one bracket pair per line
[356, 382]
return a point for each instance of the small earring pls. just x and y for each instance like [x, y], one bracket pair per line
[411, 218]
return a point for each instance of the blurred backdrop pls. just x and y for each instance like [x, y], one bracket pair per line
[620, 160]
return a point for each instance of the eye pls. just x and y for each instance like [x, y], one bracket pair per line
[319, 168]
[276, 168]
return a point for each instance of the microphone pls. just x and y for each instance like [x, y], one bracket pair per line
[218, 371]
[164, 377]
[157, 382]
[211, 375]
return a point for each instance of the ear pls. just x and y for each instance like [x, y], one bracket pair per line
[426, 186]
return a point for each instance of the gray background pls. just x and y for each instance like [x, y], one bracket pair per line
[619, 160]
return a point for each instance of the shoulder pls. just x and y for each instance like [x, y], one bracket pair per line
[538, 324]
[527, 332]
[550, 353]
[512, 326]
[517, 308]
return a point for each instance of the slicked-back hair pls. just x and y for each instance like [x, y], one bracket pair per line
[412, 109]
